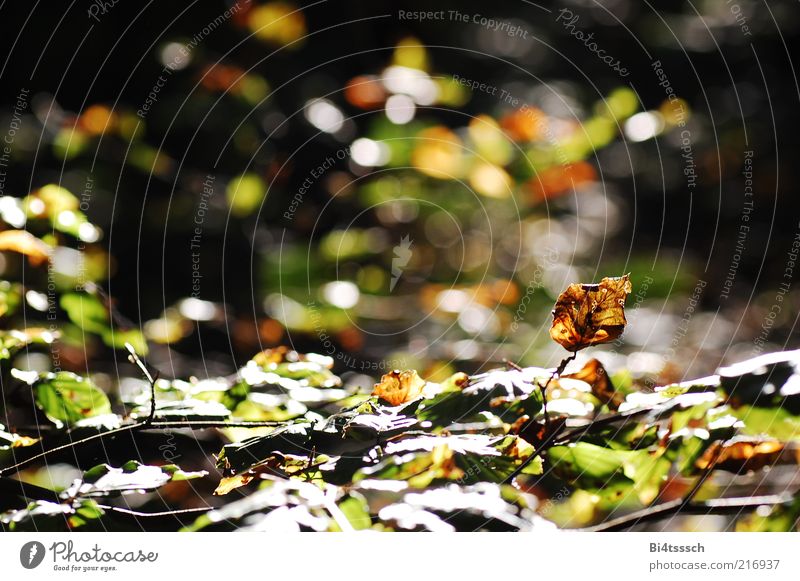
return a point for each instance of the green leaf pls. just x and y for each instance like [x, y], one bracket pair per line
[355, 509]
[64, 397]
[777, 423]
[10, 297]
[501, 392]
[596, 466]
[86, 311]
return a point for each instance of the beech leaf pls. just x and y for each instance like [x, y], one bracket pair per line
[590, 314]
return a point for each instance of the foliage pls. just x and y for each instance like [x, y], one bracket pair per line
[414, 467]
[466, 211]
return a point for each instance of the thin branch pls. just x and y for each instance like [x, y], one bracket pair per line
[156, 514]
[201, 424]
[134, 358]
[543, 388]
[680, 507]
[18, 465]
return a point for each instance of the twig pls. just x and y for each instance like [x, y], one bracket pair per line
[134, 358]
[543, 388]
[201, 424]
[155, 514]
[679, 506]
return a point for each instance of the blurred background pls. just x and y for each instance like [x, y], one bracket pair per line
[397, 189]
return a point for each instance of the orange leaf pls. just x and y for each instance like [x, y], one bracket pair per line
[590, 314]
[398, 387]
[25, 243]
[742, 455]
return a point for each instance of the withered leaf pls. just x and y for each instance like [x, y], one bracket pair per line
[590, 314]
[25, 243]
[398, 387]
[596, 376]
[741, 455]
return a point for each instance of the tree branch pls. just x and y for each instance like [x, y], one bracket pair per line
[679, 506]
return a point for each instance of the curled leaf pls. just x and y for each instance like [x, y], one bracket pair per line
[398, 387]
[590, 314]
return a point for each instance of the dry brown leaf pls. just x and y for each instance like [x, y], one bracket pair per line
[594, 374]
[398, 387]
[742, 455]
[25, 243]
[590, 314]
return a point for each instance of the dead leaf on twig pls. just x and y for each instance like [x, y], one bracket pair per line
[590, 314]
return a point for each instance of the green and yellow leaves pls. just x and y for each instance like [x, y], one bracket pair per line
[597, 467]
[64, 397]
